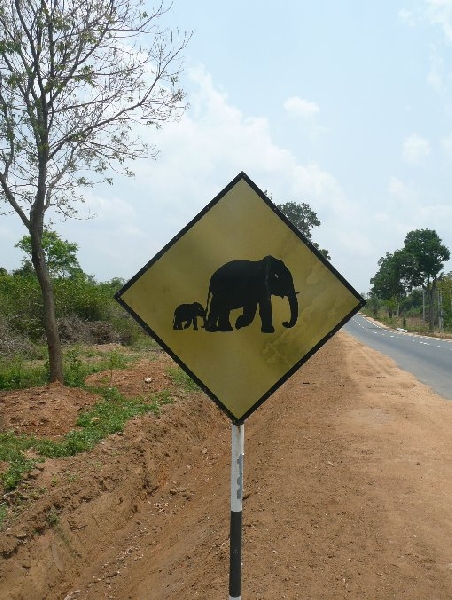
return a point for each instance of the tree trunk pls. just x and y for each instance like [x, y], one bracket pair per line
[431, 308]
[50, 323]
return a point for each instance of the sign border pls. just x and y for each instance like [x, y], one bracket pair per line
[118, 297]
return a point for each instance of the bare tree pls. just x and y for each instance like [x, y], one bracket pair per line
[75, 80]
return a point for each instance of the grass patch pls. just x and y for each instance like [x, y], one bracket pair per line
[3, 513]
[17, 373]
[104, 418]
[22, 452]
[180, 378]
[78, 363]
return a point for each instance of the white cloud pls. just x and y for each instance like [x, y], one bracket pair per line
[436, 74]
[403, 192]
[416, 149]
[407, 16]
[440, 13]
[207, 148]
[215, 141]
[297, 107]
[199, 156]
[436, 213]
[446, 145]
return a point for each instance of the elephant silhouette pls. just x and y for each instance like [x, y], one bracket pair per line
[186, 315]
[247, 285]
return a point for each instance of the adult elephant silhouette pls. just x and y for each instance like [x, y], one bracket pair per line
[249, 284]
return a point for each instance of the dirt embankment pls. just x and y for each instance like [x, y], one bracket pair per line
[348, 480]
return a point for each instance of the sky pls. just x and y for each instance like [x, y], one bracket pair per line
[346, 106]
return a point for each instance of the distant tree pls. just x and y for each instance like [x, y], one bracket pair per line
[323, 251]
[445, 287]
[427, 255]
[304, 219]
[75, 79]
[389, 282]
[60, 255]
[300, 215]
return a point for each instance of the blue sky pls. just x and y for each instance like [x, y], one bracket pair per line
[344, 105]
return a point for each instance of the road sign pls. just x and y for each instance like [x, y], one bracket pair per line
[240, 298]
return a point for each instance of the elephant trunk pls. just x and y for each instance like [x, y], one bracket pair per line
[293, 305]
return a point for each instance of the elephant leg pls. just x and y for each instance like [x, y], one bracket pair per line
[195, 323]
[188, 322]
[265, 313]
[177, 324]
[218, 319]
[249, 312]
[223, 321]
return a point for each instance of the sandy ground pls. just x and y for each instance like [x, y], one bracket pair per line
[348, 481]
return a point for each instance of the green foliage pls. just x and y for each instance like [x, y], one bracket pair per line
[388, 283]
[75, 80]
[75, 369]
[106, 417]
[19, 373]
[12, 451]
[428, 254]
[86, 311]
[16, 374]
[417, 265]
[52, 518]
[3, 513]
[445, 288]
[60, 255]
[180, 378]
[304, 219]
[300, 215]
[21, 304]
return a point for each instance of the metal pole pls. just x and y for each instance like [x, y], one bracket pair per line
[235, 557]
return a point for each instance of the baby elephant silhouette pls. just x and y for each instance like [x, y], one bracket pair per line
[186, 315]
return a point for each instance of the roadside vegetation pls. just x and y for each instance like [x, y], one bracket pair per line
[79, 86]
[20, 454]
[97, 336]
[410, 289]
[106, 417]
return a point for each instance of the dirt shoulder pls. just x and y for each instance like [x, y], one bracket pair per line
[348, 475]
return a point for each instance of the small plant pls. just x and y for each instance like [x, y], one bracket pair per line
[52, 518]
[75, 370]
[3, 513]
[116, 360]
[180, 378]
[104, 418]
[16, 374]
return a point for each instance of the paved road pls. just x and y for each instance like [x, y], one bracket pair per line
[429, 359]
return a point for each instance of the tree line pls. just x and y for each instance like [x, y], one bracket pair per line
[413, 277]
[85, 310]
[78, 82]
[85, 313]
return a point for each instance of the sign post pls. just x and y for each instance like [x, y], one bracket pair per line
[240, 299]
[235, 554]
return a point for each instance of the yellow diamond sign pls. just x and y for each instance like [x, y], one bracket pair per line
[240, 298]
